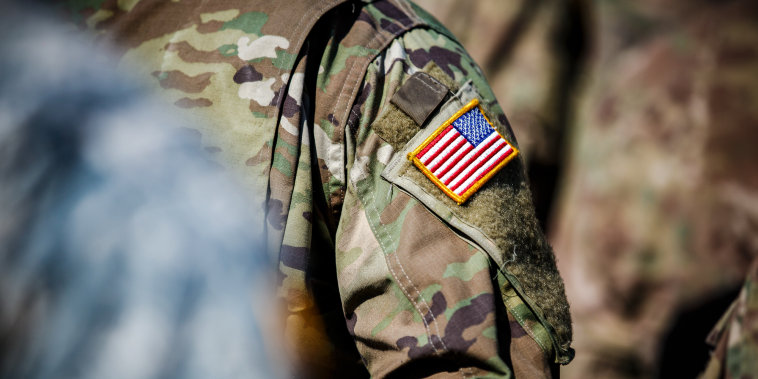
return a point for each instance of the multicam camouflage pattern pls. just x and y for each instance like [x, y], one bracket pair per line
[362, 263]
[659, 209]
[735, 337]
[405, 236]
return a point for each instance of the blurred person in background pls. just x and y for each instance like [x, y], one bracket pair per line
[654, 219]
[384, 270]
[124, 252]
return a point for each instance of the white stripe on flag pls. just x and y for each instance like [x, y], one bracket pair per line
[464, 175]
[442, 154]
[431, 153]
[465, 158]
[485, 167]
[453, 159]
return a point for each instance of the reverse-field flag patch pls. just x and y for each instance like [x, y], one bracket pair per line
[463, 153]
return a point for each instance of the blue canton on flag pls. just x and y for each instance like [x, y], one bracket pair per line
[463, 153]
[473, 126]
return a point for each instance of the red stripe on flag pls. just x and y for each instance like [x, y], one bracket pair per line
[452, 163]
[479, 165]
[449, 153]
[478, 178]
[440, 146]
[434, 142]
[468, 162]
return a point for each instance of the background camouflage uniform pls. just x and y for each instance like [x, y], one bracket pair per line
[362, 263]
[656, 221]
[735, 337]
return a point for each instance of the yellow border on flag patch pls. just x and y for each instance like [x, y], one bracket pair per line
[412, 156]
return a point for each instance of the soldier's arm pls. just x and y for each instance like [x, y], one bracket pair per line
[735, 337]
[436, 279]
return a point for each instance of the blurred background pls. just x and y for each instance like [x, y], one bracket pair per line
[637, 120]
[126, 252]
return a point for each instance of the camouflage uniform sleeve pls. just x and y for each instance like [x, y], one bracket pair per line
[735, 337]
[430, 287]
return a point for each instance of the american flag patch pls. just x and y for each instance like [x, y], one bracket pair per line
[463, 153]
